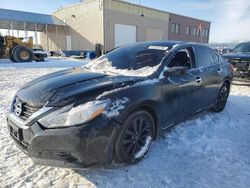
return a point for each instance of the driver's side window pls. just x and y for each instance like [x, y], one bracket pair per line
[183, 58]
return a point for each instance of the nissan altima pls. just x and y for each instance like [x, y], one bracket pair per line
[114, 107]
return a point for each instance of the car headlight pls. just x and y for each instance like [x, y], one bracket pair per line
[70, 116]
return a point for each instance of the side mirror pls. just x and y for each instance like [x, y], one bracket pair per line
[175, 71]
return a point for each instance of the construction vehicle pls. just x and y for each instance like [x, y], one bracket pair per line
[18, 50]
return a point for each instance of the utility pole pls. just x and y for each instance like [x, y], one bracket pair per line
[139, 2]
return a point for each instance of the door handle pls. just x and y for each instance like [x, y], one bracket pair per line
[198, 79]
[219, 69]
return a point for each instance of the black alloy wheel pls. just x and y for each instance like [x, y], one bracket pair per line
[222, 98]
[135, 138]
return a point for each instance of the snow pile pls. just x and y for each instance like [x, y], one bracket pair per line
[210, 150]
[111, 91]
[40, 52]
[144, 149]
[103, 65]
[115, 107]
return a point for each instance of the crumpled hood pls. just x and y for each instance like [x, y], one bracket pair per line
[237, 56]
[67, 86]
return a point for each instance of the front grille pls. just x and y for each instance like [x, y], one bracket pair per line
[241, 65]
[17, 135]
[23, 146]
[23, 110]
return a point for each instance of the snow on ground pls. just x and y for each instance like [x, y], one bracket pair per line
[210, 150]
[52, 62]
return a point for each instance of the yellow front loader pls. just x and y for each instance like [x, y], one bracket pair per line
[17, 50]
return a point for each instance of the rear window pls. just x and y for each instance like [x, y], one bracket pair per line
[205, 57]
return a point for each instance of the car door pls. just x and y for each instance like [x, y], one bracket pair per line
[182, 92]
[211, 70]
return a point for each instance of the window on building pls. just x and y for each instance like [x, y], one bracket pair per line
[172, 28]
[175, 28]
[203, 32]
[198, 32]
[195, 31]
[207, 33]
[187, 30]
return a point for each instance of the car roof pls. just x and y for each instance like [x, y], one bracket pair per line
[244, 43]
[158, 43]
[167, 43]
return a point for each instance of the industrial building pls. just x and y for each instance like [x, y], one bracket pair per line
[106, 24]
[112, 23]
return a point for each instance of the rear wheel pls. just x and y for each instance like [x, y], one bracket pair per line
[135, 138]
[22, 54]
[222, 98]
[12, 59]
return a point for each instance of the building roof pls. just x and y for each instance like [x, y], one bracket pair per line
[133, 4]
[18, 18]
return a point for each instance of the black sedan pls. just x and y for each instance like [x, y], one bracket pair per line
[113, 108]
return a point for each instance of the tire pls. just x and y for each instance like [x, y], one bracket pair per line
[135, 138]
[22, 54]
[12, 59]
[1, 46]
[222, 98]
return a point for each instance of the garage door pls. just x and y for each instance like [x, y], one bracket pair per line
[153, 34]
[124, 34]
[68, 42]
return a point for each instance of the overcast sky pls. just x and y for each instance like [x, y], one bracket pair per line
[230, 18]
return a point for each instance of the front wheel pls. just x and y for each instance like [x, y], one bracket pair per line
[12, 59]
[222, 98]
[22, 54]
[135, 138]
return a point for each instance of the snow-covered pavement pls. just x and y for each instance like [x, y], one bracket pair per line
[211, 150]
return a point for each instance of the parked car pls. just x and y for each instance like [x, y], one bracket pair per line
[41, 55]
[240, 59]
[223, 50]
[114, 107]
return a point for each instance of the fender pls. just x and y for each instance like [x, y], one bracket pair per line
[150, 106]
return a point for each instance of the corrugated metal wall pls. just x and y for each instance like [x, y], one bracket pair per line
[93, 21]
[117, 12]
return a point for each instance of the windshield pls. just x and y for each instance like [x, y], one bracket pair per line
[243, 48]
[133, 60]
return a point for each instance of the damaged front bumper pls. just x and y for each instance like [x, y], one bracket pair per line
[73, 147]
